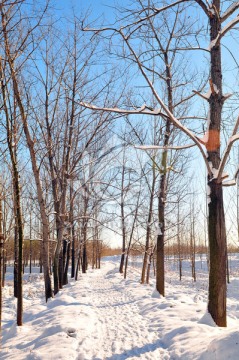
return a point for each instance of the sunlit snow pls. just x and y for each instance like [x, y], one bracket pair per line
[103, 316]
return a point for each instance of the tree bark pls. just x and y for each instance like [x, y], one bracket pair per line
[218, 256]
[216, 218]
[84, 258]
[73, 252]
[72, 233]
[122, 260]
[1, 259]
[148, 231]
[66, 262]
[160, 276]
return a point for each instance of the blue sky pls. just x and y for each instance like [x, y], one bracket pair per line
[104, 8]
[97, 7]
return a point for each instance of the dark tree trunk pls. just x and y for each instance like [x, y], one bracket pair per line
[228, 270]
[30, 249]
[60, 269]
[55, 268]
[99, 255]
[126, 264]
[58, 256]
[84, 258]
[192, 245]
[149, 264]
[148, 231]
[121, 268]
[66, 267]
[73, 253]
[15, 258]
[4, 265]
[64, 255]
[1, 259]
[160, 277]
[78, 265]
[84, 246]
[216, 218]
[20, 253]
[30, 258]
[10, 59]
[218, 256]
[12, 137]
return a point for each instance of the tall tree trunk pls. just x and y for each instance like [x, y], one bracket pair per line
[15, 255]
[192, 243]
[4, 230]
[72, 233]
[218, 256]
[84, 258]
[149, 263]
[179, 243]
[64, 255]
[57, 260]
[20, 249]
[67, 261]
[73, 252]
[78, 264]
[148, 231]
[60, 269]
[84, 243]
[126, 261]
[12, 138]
[121, 268]
[1, 259]
[228, 270]
[99, 249]
[216, 218]
[162, 194]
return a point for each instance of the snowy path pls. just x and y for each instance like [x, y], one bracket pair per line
[120, 332]
[104, 317]
[95, 318]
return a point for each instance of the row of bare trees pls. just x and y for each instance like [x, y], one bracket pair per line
[154, 32]
[62, 92]
[45, 72]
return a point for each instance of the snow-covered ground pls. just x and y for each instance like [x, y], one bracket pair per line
[103, 316]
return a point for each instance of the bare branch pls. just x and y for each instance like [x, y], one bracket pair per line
[192, 117]
[154, 13]
[141, 110]
[158, 147]
[229, 11]
[171, 117]
[204, 96]
[229, 183]
[223, 32]
[203, 6]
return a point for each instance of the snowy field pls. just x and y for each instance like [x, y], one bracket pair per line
[103, 316]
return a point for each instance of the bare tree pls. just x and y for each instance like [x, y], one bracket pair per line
[12, 17]
[11, 127]
[1, 258]
[211, 141]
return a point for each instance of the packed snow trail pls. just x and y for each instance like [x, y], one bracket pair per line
[104, 317]
[120, 332]
[95, 318]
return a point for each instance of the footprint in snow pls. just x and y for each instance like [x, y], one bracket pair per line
[71, 332]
